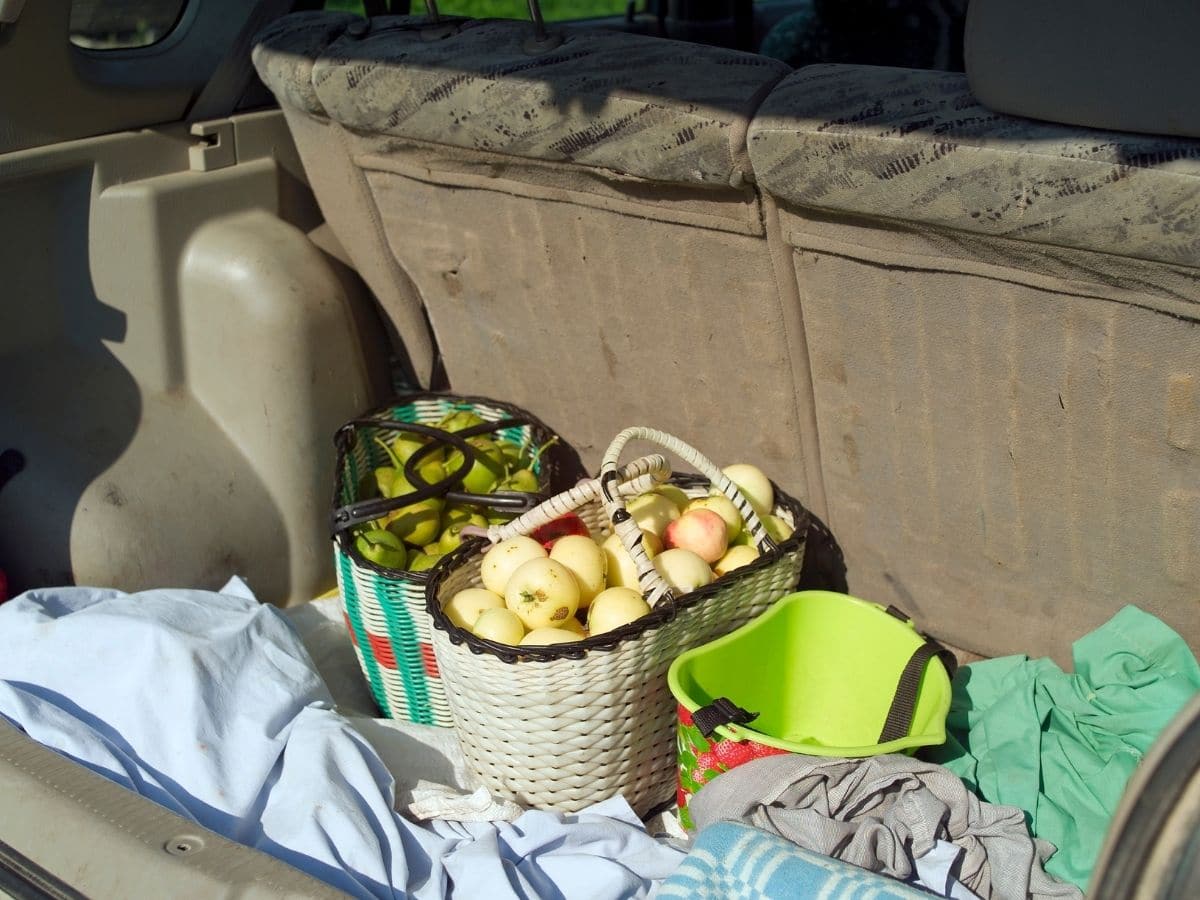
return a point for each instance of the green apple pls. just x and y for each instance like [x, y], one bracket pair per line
[452, 537]
[489, 448]
[408, 444]
[385, 476]
[459, 420]
[511, 452]
[487, 470]
[420, 562]
[382, 548]
[431, 470]
[418, 523]
[454, 513]
[522, 480]
[397, 485]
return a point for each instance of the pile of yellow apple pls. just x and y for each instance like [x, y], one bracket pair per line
[564, 584]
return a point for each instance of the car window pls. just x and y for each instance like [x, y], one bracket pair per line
[122, 24]
[553, 10]
[918, 34]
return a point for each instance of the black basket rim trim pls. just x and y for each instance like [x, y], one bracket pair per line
[412, 470]
[539, 429]
[344, 545]
[408, 399]
[660, 615]
[422, 490]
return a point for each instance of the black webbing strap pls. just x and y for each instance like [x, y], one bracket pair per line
[904, 703]
[721, 711]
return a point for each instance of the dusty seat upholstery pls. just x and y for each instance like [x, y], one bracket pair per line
[1002, 321]
[578, 222]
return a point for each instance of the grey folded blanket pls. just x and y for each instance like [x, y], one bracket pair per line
[880, 814]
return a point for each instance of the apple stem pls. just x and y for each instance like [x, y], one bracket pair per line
[537, 453]
[391, 454]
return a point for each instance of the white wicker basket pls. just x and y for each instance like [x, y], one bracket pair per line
[566, 726]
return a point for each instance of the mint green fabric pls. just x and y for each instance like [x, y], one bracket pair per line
[1060, 746]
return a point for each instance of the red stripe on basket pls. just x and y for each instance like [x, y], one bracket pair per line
[381, 648]
[427, 657]
[349, 624]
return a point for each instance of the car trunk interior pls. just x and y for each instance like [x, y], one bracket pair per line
[965, 340]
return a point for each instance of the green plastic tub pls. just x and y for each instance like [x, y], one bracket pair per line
[819, 673]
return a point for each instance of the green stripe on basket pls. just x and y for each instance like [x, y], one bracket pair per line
[516, 435]
[403, 634]
[350, 491]
[350, 600]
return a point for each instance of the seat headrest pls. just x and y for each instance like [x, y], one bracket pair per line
[1095, 63]
[915, 146]
[285, 51]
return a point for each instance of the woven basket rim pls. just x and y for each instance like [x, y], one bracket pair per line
[656, 618]
[556, 461]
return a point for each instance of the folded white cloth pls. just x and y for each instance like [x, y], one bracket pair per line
[209, 704]
[437, 801]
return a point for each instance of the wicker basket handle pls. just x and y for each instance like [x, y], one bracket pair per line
[636, 478]
[653, 586]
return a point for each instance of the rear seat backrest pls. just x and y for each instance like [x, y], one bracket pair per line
[1002, 322]
[284, 56]
[658, 110]
[578, 225]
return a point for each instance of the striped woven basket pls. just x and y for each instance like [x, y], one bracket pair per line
[385, 608]
[564, 726]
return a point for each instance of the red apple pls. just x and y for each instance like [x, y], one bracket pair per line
[564, 525]
[700, 530]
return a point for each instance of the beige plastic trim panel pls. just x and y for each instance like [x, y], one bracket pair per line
[45, 100]
[107, 842]
[174, 371]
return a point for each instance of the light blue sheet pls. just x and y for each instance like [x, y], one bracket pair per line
[208, 704]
